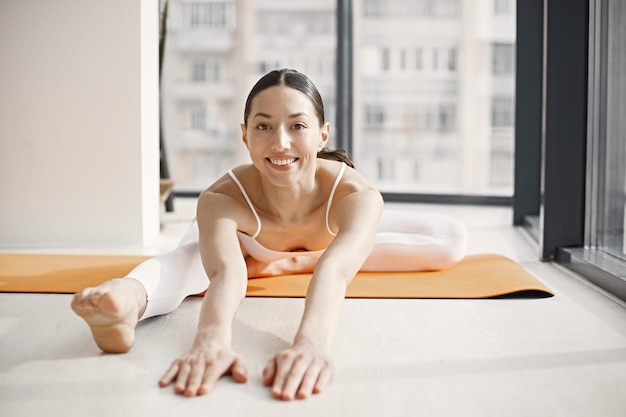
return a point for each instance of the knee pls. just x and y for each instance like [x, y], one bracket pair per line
[454, 243]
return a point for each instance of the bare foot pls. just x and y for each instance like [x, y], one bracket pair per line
[112, 310]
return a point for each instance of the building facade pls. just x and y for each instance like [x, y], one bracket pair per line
[433, 86]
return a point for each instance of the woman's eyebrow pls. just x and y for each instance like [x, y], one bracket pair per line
[299, 114]
[291, 116]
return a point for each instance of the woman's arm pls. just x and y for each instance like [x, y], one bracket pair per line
[306, 368]
[211, 356]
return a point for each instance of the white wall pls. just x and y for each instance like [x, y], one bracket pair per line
[78, 123]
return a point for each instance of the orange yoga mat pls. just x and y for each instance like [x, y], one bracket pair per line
[476, 276]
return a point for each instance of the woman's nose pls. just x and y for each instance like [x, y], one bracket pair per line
[281, 140]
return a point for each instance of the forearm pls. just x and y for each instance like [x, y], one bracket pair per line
[323, 306]
[219, 306]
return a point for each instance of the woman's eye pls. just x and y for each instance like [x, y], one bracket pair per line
[299, 126]
[262, 126]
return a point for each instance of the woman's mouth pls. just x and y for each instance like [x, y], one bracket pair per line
[282, 161]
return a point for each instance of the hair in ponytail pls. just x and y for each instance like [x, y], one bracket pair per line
[336, 155]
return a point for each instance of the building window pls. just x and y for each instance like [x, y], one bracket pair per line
[214, 15]
[375, 7]
[502, 7]
[402, 59]
[447, 117]
[419, 59]
[198, 71]
[502, 112]
[197, 118]
[452, 59]
[386, 59]
[204, 70]
[385, 169]
[503, 58]
[374, 116]
[399, 8]
[296, 23]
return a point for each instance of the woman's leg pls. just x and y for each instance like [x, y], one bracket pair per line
[156, 286]
[169, 278]
[408, 241]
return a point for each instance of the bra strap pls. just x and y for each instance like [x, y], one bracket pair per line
[332, 194]
[245, 195]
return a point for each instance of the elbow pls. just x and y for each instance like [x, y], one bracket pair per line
[234, 277]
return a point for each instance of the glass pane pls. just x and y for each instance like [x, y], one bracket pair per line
[434, 95]
[613, 221]
[215, 51]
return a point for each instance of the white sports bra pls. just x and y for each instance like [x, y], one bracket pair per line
[260, 252]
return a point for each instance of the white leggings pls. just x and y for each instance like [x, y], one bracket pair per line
[405, 241]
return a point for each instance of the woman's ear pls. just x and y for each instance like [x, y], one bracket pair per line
[324, 136]
[244, 134]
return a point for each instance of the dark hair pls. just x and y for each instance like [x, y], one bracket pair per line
[298, 81]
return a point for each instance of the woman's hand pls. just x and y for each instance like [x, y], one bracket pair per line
[298, 372]
[197, 372]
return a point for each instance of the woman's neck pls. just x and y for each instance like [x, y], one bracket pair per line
[291, 202]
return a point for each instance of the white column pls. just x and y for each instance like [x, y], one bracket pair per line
[79, 158]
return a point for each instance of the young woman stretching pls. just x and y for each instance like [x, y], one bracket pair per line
[297, 208]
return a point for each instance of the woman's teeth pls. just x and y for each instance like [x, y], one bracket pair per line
[282, 161]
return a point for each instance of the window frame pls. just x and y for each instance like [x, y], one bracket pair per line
[556, 192]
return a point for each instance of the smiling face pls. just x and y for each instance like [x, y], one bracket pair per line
[283, 135]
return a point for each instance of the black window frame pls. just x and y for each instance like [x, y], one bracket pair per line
[552, 164]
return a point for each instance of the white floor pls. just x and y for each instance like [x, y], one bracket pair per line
[561, 356]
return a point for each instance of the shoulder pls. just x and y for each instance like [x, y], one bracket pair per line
[352, 186]
[223, 200]
[351, 181]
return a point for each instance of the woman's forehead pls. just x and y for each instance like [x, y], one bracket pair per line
[282, 99]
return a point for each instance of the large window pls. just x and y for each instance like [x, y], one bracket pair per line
[607, 130]
[214, 52]
[571, 130]
[433, 95]
[433, 85]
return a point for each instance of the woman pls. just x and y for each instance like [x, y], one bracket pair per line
[297, 208]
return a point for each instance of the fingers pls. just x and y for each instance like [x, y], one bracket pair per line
[239, 370]
[269, 372]
[297, 375]
[169, 375]
[326, 375]
[289, 377]
[291, 373]
[197, 375]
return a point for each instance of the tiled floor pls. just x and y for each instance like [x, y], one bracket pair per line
[561, 356]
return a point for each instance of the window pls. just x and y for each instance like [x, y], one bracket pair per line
[375, 116]
[447, 117]
[503, 59]
[502, 7]
[423, 99]
[211, 62]
[430, 103]
[571, 181]
[207, 15]
[452, 59]
[502, 112]
[607, 137]
[385, 8]
[197, 118]
[419, 59]
[203, 70]
[386, 59]
[296, 22]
